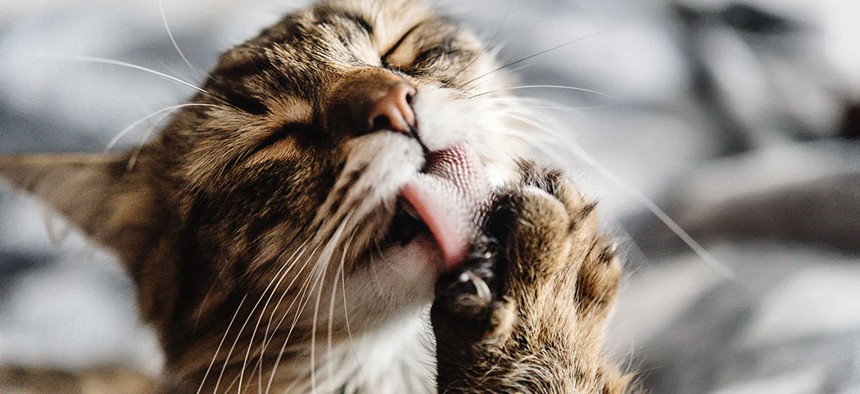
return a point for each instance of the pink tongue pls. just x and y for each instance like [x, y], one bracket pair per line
[450, 195]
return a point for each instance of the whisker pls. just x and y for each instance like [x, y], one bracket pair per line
[697, 248]
[510, 71]
[91, 59]
[284, 294]
[541, 53]
[175, 72]
[321, 282]
[278, 277]
[132, 160]
[547, 146]
[484, 50]
[238, 336]
[208, 293]
[534, 103]
[335, 239]
[325, 255]
[329, 344]
[113, 141]
[560, 87]
[220, 344]
[346, 320]
[332, 302]
[286, 291]
[173, 39]
[266, 337]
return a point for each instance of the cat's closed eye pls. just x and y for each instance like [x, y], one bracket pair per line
[289, 130]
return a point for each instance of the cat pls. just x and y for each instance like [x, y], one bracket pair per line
[333, 177]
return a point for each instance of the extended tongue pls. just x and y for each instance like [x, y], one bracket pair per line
[449, 196]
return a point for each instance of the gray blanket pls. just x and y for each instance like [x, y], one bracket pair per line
[739, 119]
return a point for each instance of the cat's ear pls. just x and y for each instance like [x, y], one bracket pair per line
[97, 193]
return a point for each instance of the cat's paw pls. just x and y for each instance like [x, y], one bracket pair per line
[538, 287]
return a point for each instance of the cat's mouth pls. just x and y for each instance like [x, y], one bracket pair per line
[445, 200]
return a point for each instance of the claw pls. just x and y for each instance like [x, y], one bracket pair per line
[482, 290]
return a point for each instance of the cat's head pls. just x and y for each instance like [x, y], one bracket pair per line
[344, 149]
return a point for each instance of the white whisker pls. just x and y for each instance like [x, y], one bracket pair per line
[285, 268]
[321, 282]
[548, 146]
[510, 71]
[338, 273]
[279, 276]
[113, 141]
[120, 63]
[173, 39]
[559, 87]
[238, 336]
[541, 53]
[220, 344]
[269, 332]
[533, 103]
[324, 258]
[346, 319]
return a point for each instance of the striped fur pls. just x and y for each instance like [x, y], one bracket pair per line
[253, 225]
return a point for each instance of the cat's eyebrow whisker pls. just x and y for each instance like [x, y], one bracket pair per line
[174, 71]
[469, 91]
[541, 53]
[173, 39]
[484, 50]
[92, 59]
[511, 71]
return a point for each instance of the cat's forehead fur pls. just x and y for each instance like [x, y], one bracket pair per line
[290, 74]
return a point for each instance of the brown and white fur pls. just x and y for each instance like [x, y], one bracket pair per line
[255, 224]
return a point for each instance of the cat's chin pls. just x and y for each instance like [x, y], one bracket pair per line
[400, 277]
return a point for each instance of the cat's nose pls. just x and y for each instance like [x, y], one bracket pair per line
[392, 110]
[370, 100]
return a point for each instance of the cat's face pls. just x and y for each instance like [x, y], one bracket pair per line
[297, 164]
[325, 175]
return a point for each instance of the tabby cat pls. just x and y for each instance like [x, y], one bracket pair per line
[335, 175]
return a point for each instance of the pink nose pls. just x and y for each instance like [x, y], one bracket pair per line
[393, 109]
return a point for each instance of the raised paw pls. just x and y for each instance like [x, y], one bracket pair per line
[527, 310]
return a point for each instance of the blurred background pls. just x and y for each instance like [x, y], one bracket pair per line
[740, 119]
